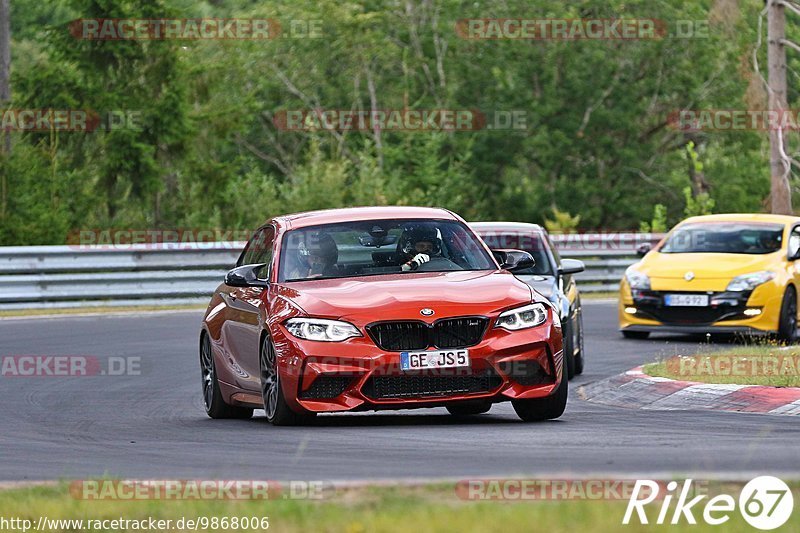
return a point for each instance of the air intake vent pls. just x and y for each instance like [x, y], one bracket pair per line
[429, 385]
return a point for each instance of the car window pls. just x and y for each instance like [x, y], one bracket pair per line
[531, 242]
[553, 249]
[259, 250]
[794, 242]
[728, 237]
[374, 247]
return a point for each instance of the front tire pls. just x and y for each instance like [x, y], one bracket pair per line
[212, 395]
[569, 347]
[277, 410]
[579, 356]
[545, 408]
[787, 326]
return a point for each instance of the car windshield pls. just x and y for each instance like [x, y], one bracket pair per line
[727, 238]
[369, 248]
[532, 243]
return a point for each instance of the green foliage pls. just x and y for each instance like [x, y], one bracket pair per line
[694, 157]
[597, 139]
[658, 224]
[702, 204]
[562, 222]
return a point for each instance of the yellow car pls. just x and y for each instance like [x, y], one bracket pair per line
[716, 274]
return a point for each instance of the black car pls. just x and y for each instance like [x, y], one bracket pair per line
[551, 276]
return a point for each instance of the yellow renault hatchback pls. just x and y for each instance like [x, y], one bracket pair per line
[717, 274]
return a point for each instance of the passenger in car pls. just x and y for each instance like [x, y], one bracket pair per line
[317, 258]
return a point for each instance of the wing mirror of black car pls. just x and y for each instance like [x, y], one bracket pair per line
[246, 276]
[571, 266]
[643, 249]
[514, 260]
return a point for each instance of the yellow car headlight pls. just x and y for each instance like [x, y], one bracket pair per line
[637, 280]
[748, 282]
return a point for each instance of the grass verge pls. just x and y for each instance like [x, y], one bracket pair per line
[599, 295]
[368, 509]
[755, 364]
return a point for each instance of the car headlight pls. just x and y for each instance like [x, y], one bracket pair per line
[321, 329]
[637, 280]
[528, 316]
[748, 282]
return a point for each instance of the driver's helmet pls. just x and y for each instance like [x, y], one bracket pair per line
[422, 240]
[320, 250]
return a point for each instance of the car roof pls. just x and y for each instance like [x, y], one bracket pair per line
[745, 217]
[356, 214]
[516, 227]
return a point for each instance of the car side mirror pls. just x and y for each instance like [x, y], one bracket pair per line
[644, 249]
[246, 276]
[514, 260]
[795, 256]
[571, 266]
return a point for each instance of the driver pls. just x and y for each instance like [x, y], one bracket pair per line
[318, 258]
[421, 244]
[770, 242]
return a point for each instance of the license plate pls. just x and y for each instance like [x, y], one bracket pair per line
[434, 359]
[686, 300]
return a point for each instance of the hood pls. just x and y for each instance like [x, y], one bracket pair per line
[402, 296]
[544, 285]
[703, 265]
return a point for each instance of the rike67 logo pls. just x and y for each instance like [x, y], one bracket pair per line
[765, 503]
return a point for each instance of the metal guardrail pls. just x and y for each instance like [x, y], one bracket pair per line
[73, 276]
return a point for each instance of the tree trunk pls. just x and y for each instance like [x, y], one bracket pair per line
[780, 191]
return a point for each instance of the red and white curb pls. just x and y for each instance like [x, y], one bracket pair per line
[635, 389]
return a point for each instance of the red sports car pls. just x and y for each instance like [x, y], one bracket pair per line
[378, 308]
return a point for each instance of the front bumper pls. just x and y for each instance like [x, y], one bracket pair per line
[357, 375]
[645, 311]
[695, 330]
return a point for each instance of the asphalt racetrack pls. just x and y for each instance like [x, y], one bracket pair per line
[153, 425]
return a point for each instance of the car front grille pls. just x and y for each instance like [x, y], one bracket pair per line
[691, 315]
[427, 384]
[326, 387]
[458, 332]
[398, 336]
[724, 306]
[416, 335]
